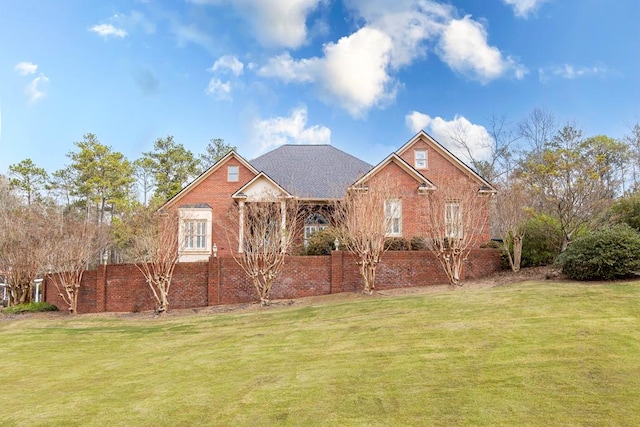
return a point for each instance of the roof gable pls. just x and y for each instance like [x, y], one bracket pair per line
[485, 185]
[204, 175]
[259, 188]
[423, 183]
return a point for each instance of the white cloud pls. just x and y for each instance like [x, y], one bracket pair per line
[134, 20]
[523, 8]
[463, 46]
[417, 121]
[287, 69]
[450, 133]
[270, 133]
[357, 72]
[280, 23]
[25, 68]
[570, 72]
[225, 65]
[34, 89]
[108, 30]
[353, 71]
[276, 23]
[192, 34]
[408, 23]
[219, 89]
[228, 63]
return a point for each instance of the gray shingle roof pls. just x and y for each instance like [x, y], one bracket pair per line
[312, 171]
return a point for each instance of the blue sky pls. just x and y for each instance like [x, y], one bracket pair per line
[363, 75]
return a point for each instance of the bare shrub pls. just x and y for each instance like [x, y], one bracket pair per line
[456, 220]
[265, 229]
[363, 224]
[154, 249]
[73, 243]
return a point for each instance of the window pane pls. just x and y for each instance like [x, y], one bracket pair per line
[195, 235]
[453, 220]
[233, 173]
[420, 159]
[393, 216]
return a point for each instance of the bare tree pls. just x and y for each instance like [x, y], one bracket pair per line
[457, 218]
[492, 155]
[154, 248]
[538, 129]
[23, 248]
[503, 154]
[463, 134]
[8, 198]
[266, 228]
[72, 244]
[510, 215]
[364, 219]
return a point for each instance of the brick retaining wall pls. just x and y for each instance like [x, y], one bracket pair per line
[122, 288]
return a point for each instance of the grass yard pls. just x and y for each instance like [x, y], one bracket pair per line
[532, 354]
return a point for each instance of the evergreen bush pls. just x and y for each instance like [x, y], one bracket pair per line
[321, 242]
[396, 244]
[609, 254]
[32, 307]
[418, 243]
[542, 241]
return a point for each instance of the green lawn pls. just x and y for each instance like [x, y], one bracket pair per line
[530, 354]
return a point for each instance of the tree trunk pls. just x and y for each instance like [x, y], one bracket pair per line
[368, 273]
[452, 265]
[73, 298]
[164, 303]
[263, 290]
[517, 253]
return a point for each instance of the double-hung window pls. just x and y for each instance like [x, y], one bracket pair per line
[393, 217]
[233, 173]
[420, 159]
[195, 234]
[453, 219]
[195, 238]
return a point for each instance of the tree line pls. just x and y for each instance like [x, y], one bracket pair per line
[103, 181]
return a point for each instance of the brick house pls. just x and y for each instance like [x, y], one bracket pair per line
[319, 175]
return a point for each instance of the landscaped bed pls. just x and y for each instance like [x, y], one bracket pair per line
[534, 353]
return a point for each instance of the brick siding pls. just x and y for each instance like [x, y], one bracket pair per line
[220, 281]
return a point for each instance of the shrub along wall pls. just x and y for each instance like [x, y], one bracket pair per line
[122, 288]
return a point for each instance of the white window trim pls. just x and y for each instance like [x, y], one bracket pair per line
[417, 161]
[233, 177]
[389, 216]
[203, 215]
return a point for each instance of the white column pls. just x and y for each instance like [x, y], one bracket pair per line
[241, 226]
